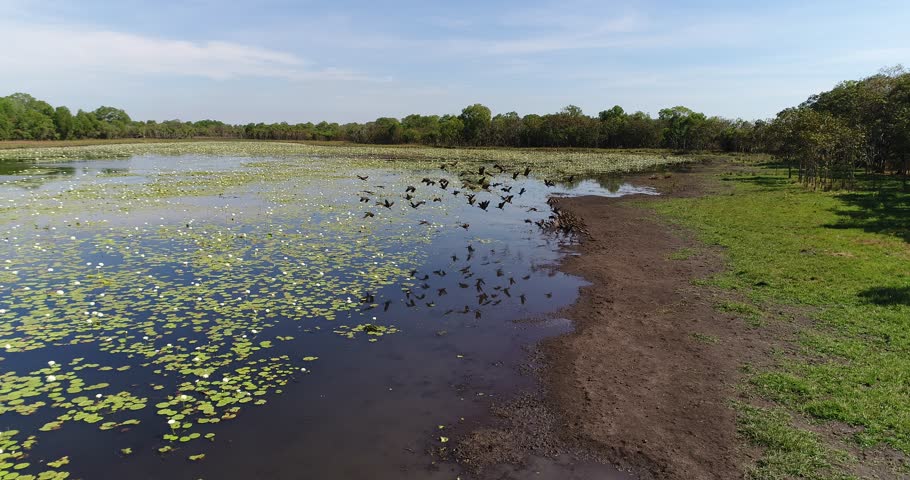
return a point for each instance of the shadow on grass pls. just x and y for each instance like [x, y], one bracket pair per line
[887, 296]
[764, 181]
[885, 210]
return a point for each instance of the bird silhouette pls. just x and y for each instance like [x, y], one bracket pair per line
[522, 191]
[415, 205]
[363, 178]
[368, 214]
[410, 189]
[386, 203]
[527, 171]
[484, 204]
[515, 175]
[464, 226]
[364, 199]
[549, 183]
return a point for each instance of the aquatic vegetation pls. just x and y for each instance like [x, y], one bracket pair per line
[172, 297]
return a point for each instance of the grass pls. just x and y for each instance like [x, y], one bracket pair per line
[845, 257]
[682, 254]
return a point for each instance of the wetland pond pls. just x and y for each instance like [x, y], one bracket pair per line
[289, 316]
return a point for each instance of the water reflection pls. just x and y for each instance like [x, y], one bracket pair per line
[440, 262]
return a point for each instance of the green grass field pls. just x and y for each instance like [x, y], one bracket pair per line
[844, 260]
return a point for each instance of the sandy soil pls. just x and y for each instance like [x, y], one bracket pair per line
[644, 381]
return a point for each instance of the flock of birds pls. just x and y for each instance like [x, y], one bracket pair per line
[469, 190]
[484, 180]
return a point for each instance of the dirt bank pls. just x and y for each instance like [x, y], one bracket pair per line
[645, 380]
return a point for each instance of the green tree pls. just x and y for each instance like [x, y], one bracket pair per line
[476, 120]
[63, 122]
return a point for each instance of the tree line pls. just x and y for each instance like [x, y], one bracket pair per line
[859, 124]
[22, 117]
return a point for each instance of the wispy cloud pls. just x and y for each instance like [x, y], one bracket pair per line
[67, 49]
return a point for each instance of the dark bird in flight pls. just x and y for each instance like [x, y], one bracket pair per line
[484, 204]
[515, 175]
[415, 205]
[464, 226]
[363, 178]
[364, 199]
[549, 183]
[369, 214]
[527, 171]
[522, 191]
[386, 203]
[410, 189]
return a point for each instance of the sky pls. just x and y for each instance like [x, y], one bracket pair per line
[344, 60]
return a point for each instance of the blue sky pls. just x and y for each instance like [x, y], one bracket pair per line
[295, 61]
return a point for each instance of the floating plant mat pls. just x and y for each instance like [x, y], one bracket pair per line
[159, 313]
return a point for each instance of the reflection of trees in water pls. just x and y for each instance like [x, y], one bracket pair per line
[611, 183]
[29, 176]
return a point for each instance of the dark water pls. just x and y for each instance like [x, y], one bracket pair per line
[455, 288]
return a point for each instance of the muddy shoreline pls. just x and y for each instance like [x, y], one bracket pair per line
[645, 379]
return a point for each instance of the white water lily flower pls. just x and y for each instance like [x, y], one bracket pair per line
[51, 378]
[98, 395]
[51, 363]
[59, 292]
[171, 421]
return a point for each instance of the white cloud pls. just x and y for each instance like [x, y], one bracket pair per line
[67, 50]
